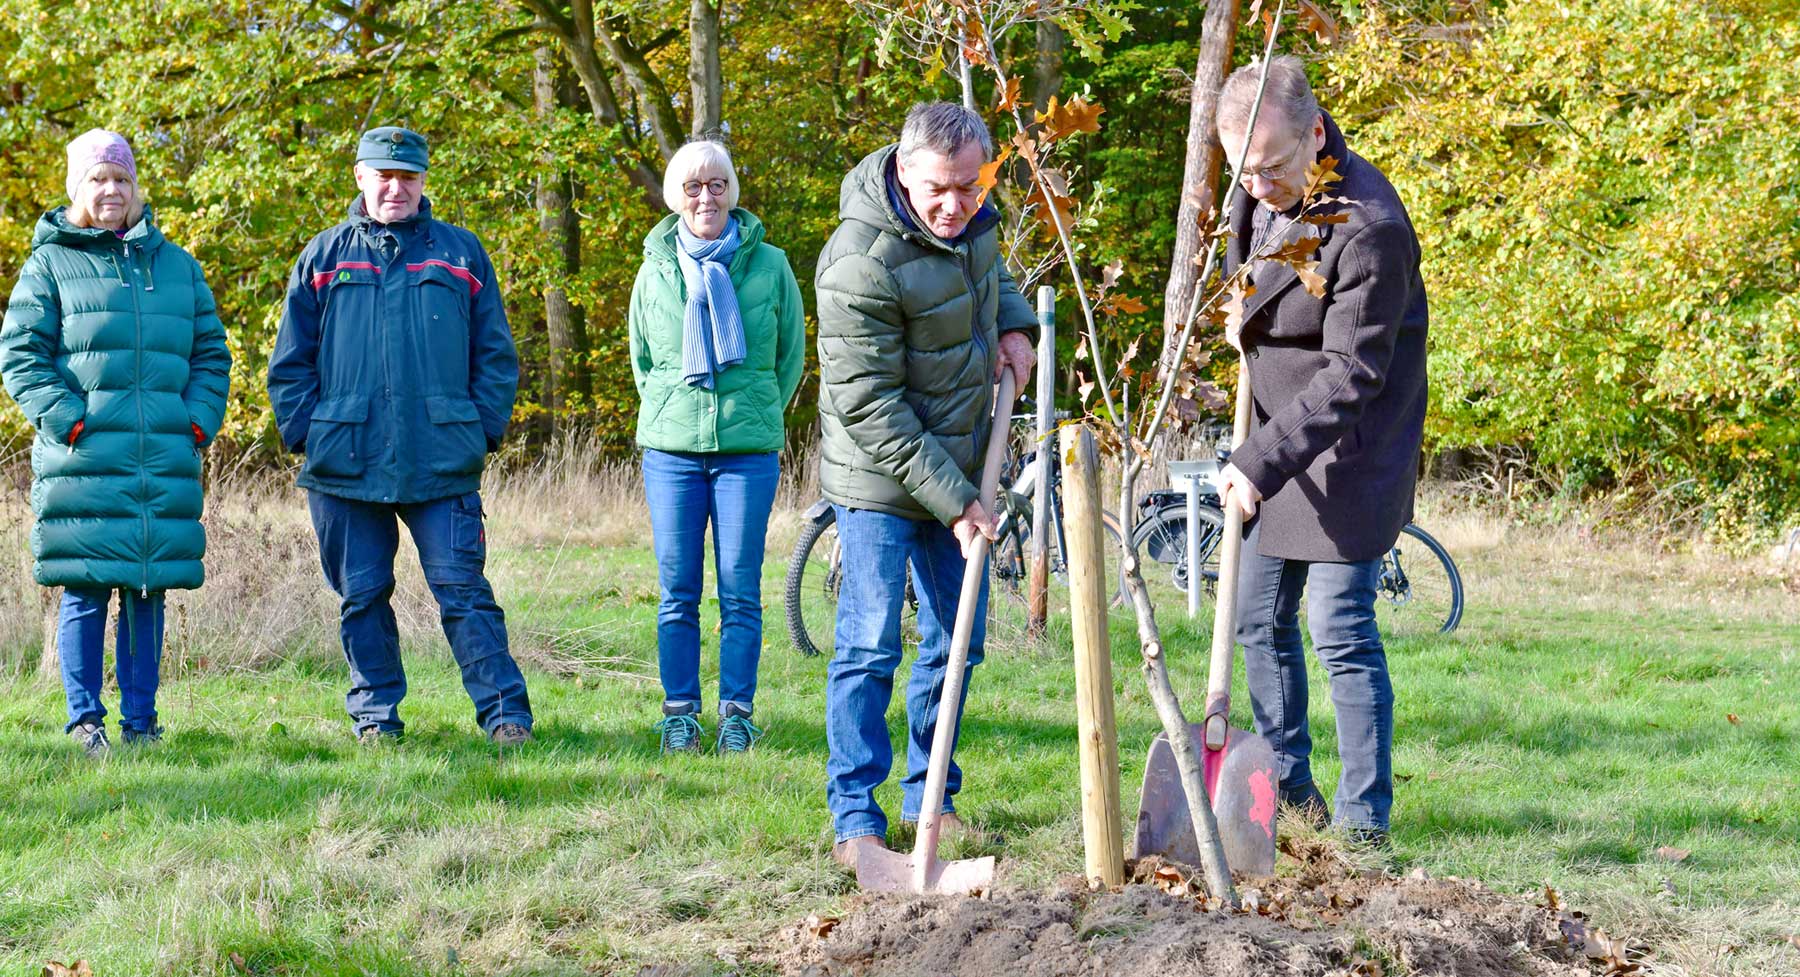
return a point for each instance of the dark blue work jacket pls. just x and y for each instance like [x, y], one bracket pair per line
[394, 375]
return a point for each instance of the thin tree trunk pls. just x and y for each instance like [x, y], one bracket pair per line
[1200, 178]
[561, 228]
[703, 69]
[1046, 72]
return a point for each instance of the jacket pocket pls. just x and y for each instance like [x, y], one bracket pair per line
[334, 442]
[459, 447]
[442, 290]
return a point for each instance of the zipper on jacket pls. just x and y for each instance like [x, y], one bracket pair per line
[137, 318]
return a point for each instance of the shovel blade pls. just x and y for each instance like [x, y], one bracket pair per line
[881, 870]
[1243, 803]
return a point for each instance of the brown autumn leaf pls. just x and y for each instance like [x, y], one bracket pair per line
[1320, 220]
[1321, 173]
[989, 175]
[1313, 17]
[1061, 120]
[1110, 275]
[1312, 281]
[1009, 95]
[56, 968]
[1127, 304]
[1794, 938]
[1085, 389]
[1063, 205]
[1732, 718]
[821, 926]
[1297, 250]
[1669, 853]
[1552, 901]
[237, 961]
[1234, 308]
[1131, 351]
[974, 41]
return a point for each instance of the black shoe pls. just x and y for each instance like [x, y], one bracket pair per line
[510, 734]
[1309, 805]
[141, 737]
[1372, 839]
[375, 737]
[91, 735]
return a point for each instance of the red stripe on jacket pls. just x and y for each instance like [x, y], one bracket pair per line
[322, 278]
[457, 270]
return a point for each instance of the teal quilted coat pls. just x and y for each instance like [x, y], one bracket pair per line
[120, 335]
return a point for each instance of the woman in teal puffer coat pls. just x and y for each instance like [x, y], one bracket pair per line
[113, 350]
[718, 343]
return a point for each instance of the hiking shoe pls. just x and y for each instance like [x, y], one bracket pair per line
[375, 737]
[680, 728]
[510, 734]
[91, 735]
[1368, 839]
[141, 737]
[736, 733]
[1309, 806]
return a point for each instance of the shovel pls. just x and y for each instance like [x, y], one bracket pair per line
[922, 872]
[1238, 765]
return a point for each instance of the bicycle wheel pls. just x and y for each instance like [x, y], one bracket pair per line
[814, 572]
[1009, 590]
[1162, 545]
[1420, 590]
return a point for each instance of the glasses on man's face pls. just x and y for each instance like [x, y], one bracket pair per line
[714, 187]
[1278, 170]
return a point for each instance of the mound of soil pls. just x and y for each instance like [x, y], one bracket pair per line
[1325, 919]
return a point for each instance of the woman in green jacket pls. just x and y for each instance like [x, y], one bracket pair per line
[113, 350]
[718, 342]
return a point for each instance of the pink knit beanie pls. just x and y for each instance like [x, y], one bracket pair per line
[94, 147]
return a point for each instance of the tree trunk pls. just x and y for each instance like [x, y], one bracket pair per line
[1046, 71]
[1200, 178]
[703, 69]
[561, 227]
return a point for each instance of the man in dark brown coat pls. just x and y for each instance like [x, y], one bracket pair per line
[1339, 388]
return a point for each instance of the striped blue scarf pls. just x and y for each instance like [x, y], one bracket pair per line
[712, 334]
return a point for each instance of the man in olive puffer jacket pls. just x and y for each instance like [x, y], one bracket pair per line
[917, 316]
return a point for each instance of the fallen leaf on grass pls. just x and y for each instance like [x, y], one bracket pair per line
[1732, 718]
[821, 926]
[238, 963]
[1670, 853]
[57, 968]
[1794, 939]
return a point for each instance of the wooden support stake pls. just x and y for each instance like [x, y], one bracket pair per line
[1089, 593]
[1038, 576]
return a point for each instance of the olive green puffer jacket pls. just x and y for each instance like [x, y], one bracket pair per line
[743, 411]
[119, 334]
[909, 329]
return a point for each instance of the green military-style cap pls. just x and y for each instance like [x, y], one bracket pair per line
[392, 148]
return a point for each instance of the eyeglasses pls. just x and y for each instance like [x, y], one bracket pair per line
[715, 187]
[1275, 172]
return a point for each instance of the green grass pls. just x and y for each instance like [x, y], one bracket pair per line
[1577, 723]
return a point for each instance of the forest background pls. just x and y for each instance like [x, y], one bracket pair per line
[1607, 191]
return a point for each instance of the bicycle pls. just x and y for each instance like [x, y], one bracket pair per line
[815, 569]
[1416, 593]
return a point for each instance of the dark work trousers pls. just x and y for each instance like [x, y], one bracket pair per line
[357, 543]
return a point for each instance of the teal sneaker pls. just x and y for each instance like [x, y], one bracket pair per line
[736, 733]
[680, 727]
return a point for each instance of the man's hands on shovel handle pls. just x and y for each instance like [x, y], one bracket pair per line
[1236, 490]
[974, 521]
[1016, 352]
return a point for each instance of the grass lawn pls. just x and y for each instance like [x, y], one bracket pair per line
[1595, 707]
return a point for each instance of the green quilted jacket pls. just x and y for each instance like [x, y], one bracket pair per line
[743, 412]
[909, 329]
[121, 336]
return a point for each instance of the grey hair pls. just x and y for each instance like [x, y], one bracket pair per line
[1288, 96]
[689, 161]
[943, 128]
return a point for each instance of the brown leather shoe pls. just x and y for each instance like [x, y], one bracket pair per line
[845, 853]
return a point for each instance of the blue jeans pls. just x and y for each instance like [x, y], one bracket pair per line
[357, 543]
[1340, 613]
[877, 548]
[734, 492]
[81, 643]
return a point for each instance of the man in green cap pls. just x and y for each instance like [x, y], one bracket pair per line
[394, 374]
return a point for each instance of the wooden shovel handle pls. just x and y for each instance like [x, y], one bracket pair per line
[1224, 637]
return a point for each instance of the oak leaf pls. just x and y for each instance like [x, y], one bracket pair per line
[1061, 120]
[57, 968]
[1313, 17]
[1009, 95]
[1312, 281]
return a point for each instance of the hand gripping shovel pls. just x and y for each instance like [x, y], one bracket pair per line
[922, 872]
[1239, 766]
